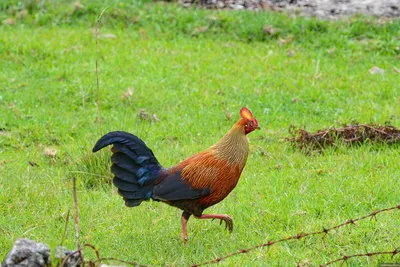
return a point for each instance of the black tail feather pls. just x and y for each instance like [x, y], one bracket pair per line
[124, 162]
[129, 144]
[134, 165]
[131, 195]
[126, 186]
[121, 173]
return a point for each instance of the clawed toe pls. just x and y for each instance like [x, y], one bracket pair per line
[228, 223]
[222, 217]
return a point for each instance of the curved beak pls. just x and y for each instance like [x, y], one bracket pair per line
[258, 128]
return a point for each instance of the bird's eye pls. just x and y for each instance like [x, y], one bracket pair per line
[251, 124]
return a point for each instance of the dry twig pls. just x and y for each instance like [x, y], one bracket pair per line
[97, 70]
[348, 134]
[76, 217]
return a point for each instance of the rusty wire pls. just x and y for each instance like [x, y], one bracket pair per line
[367, 254]
[133, 263]
[298, 236]
[303, 235]
[267, 244]
[79, 250]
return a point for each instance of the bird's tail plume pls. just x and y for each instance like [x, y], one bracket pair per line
[135, 167]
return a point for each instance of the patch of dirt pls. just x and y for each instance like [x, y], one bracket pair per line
[327, 9]
[348, 134]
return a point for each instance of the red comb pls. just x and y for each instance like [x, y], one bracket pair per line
[245, 113]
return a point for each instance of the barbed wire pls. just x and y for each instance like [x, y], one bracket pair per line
[368, 254]
[300, 236]
[133, 263]
[343, 258]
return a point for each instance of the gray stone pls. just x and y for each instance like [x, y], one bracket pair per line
[220, 4]
[27, 253]
[326, 9]
[238, 7]
[72, 261]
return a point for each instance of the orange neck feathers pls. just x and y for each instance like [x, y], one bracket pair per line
[233, 146]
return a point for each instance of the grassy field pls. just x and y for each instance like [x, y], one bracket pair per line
[191, 68]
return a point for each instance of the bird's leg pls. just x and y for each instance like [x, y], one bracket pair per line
[185, 217]
[223, 217]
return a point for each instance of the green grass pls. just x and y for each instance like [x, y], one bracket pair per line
[189, 77]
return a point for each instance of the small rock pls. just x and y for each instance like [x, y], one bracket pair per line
[72, 261]
[220, 5]
[26, 252]
[238, 7]
[376, 70]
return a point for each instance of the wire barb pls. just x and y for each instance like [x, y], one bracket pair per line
[368, 254]
[303, 235]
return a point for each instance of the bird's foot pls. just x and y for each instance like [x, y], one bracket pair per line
[223, 217]
[228, 222]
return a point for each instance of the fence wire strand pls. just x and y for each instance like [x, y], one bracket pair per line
[303, 235]
[367, 254]
[298, 236]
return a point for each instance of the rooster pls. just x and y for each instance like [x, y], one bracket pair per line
[192, 185]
